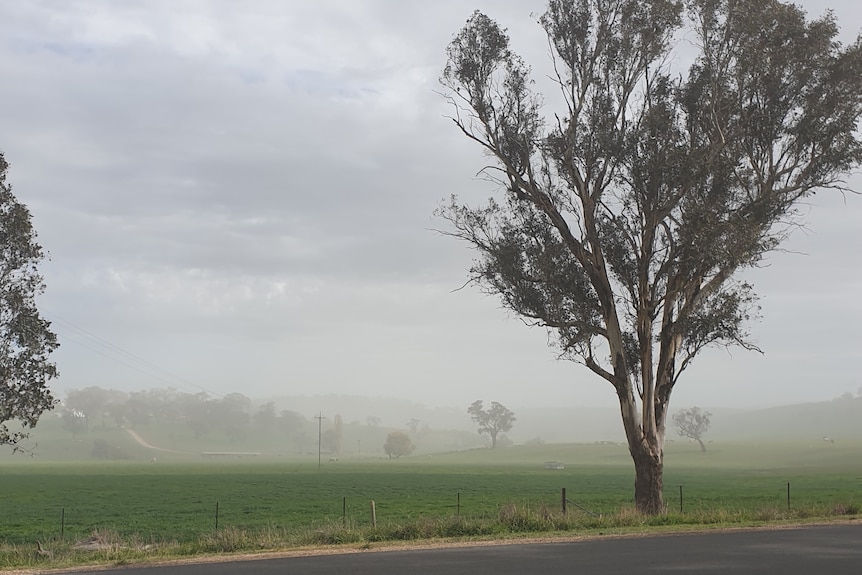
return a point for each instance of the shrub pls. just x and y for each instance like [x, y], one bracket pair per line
[104, 450]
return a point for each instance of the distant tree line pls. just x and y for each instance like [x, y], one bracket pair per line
[231, 416]
[236, 418]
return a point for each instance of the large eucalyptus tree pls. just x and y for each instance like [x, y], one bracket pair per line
[26, 339]
[627, 216]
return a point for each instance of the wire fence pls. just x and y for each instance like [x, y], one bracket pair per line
[191, 522]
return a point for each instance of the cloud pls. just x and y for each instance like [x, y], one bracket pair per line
[243, 192]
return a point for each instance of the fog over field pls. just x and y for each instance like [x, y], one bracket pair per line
[239, 197]
[836, 418]
[153, 422]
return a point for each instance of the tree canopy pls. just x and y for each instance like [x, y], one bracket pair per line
[492, 421]
[397, 444]
[692, 423]
[626, 216]
[26, 339]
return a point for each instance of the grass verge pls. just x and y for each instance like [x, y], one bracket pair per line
[513, 520]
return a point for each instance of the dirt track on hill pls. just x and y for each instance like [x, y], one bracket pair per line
[140, 441]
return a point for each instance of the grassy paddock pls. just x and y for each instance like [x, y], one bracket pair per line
[145, 511]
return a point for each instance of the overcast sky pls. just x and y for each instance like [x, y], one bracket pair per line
[238, 196]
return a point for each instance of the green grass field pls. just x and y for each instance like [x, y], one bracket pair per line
[175, 500]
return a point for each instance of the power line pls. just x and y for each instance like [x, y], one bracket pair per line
[118, 360]
[120, 355]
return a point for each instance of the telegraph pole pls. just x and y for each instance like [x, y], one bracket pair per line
[319, 417]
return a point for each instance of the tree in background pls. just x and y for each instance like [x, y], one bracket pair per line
[26, 339]
[116, 406]
[413, 426]
[73, 421]
[104, 450]
[397, 444]
[196, 409]
[338, 434]
[95, 403]
[139, 410]
[372, 421]
[492, 421]
[628, 215]
[232, 414]
[265, 417]
[327, 441]
[692, 423]
[290, 422]
[89, 402]
[163, 404]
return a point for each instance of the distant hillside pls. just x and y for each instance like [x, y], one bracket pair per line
[837, 419]
[568, 425]
[551, 425]
[840, 418]
[389, 412]
[366, 421]
[176, 440]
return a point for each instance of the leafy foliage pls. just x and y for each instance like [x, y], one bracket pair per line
[492, 421]
[397, 444]
[74, 421]
[627, 216]
[26, 339]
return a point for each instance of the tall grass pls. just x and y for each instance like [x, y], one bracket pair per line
[513, 519]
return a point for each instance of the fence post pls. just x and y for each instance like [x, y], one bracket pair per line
[344, 510]
[788, 496]
[62, 522]
[563, 498]
[373, 514]
[458, 506]
[680, 498]
[216, 517]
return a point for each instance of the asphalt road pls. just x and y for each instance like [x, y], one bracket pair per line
[833, 550]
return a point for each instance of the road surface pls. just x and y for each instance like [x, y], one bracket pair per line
[834, 549]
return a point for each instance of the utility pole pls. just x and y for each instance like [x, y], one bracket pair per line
[319, 417]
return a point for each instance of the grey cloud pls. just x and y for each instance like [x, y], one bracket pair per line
[215, 180]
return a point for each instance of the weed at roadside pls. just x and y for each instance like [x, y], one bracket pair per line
[105, 547]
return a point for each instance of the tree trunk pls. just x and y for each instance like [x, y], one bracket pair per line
[648, 481]
[493, 440]
[647, 453]
[702, 446]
